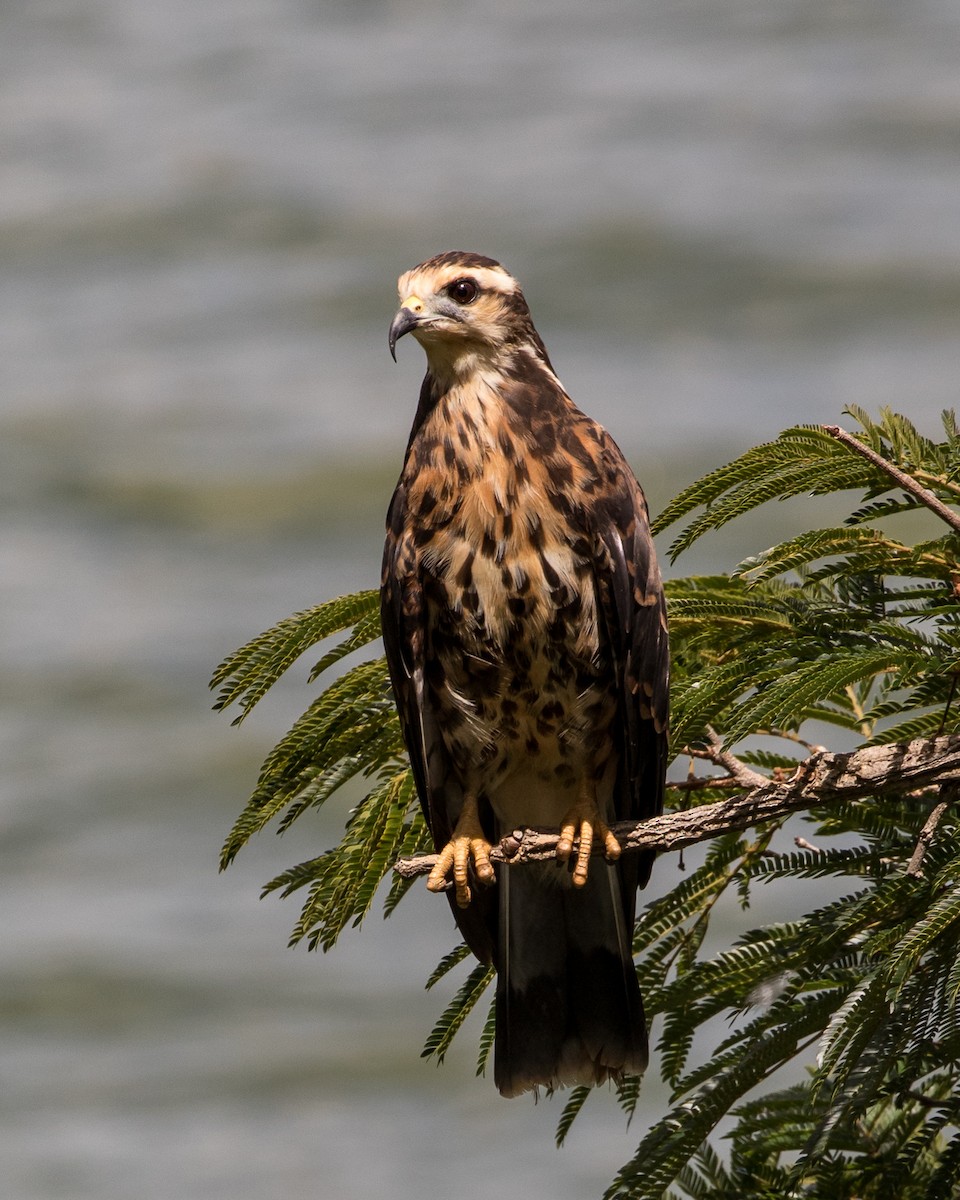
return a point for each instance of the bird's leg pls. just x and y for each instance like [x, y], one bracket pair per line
[468, 840]
[583, 821]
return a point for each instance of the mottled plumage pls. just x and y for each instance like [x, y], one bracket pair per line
[525, 632]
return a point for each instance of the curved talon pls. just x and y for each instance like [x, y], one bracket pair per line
[583, 821]
[468, 842]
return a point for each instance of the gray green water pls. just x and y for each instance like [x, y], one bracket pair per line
[728, 218]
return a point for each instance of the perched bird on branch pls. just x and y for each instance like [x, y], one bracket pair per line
[525, 632]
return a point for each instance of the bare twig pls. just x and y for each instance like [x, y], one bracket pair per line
[924, 495]
[703, 783]
[949, 793]
[792, 736]
[820, 780]
[715, 753]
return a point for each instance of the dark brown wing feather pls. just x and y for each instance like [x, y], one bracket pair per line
[403, 619]
[634, 610]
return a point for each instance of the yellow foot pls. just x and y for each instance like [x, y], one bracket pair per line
[583, 821]
[468, 841]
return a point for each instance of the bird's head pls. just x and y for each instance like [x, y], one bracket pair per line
[463, 309]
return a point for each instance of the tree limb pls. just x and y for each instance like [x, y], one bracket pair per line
[820, 780]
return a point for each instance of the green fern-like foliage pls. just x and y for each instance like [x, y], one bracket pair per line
[849, 624]
[349, 732]
[855, 626]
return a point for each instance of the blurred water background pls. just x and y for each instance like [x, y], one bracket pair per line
[728, 218]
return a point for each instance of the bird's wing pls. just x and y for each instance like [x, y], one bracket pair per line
[403, 619]
[634, 615]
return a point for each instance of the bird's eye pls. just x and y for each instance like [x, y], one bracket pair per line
[464, 291]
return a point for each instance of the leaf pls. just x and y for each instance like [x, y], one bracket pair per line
[782, 701]
[342, 882]
[487, 1037]
[853, 1024]
[674, 1139]
[246, 675]
[866, 545]
[940, 920]
[447, 963]
[575, 1102]
[351, 727]
[366, 630]
[456, 1012]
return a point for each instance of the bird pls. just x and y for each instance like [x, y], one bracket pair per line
[525, 633]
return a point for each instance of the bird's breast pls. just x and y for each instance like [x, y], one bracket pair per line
[517, 669]
[519, 675]
[506, 570]
[493, 526]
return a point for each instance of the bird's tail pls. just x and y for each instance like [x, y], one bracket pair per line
[568, 1003]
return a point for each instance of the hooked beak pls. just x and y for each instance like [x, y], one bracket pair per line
[406, 319]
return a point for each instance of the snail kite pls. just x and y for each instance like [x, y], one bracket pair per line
[525, 632]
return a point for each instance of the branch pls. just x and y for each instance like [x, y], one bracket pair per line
[950, 794]
[820, 780]
[924, 495]
[715, 753]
